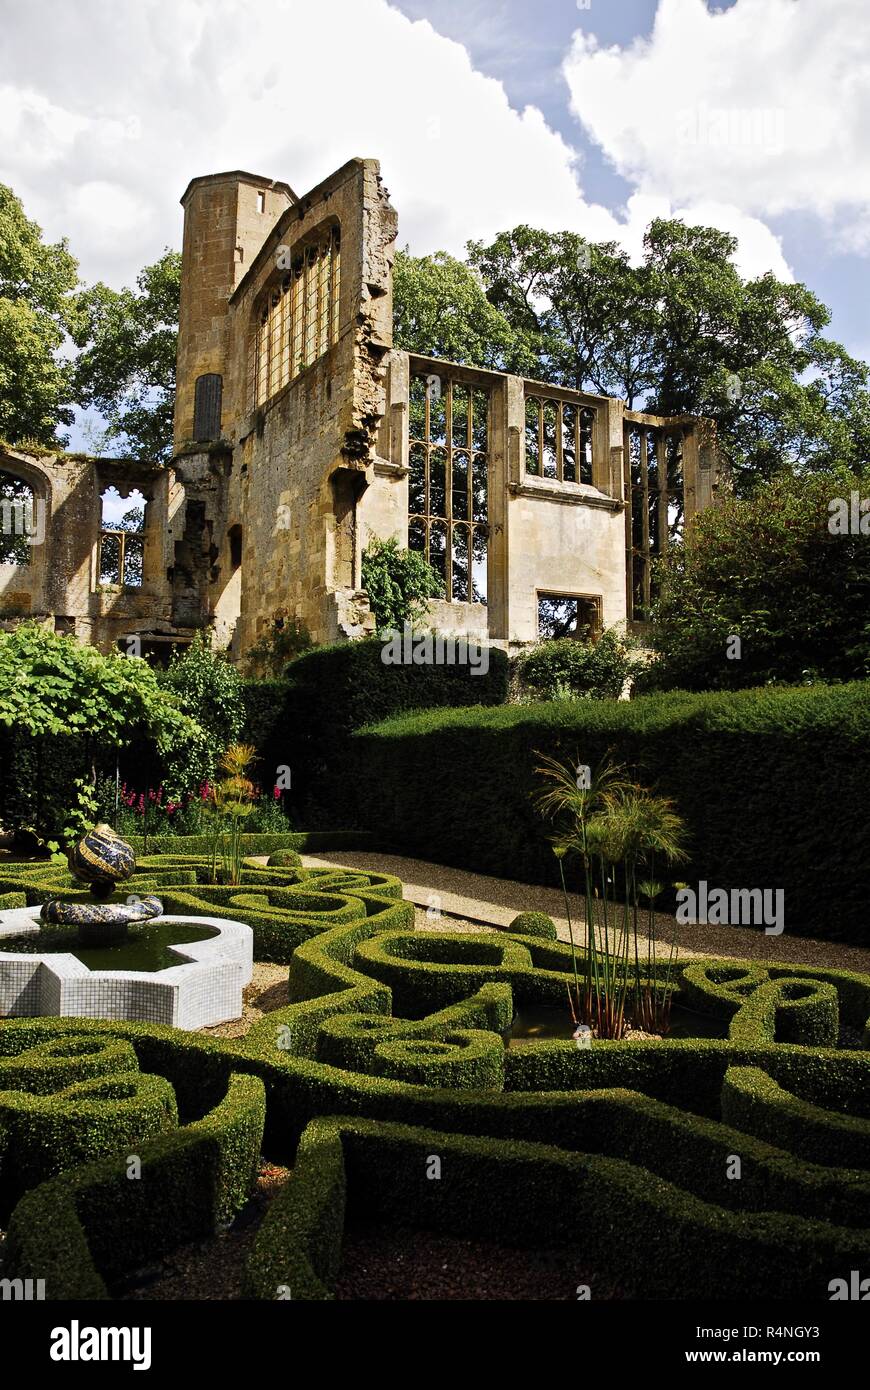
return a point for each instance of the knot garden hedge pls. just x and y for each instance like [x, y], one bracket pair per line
[713, 1166]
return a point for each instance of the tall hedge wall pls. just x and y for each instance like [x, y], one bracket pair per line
[772, 783]
[305, 721]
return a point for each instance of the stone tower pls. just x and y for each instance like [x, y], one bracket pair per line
[227, 217]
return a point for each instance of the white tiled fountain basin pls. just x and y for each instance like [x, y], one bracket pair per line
[203, 989]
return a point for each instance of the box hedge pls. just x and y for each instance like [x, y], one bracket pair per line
[770, 782]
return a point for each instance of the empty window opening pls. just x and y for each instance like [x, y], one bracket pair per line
[234, 536]
[447, 483]
[297, 320]
[207, 395]
[122, 539]
[261, 202]
[559, 439]
[654, 521]
[569, 615]
[20, 520]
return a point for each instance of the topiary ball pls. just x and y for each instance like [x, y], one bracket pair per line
[283, 859]
[534, 924]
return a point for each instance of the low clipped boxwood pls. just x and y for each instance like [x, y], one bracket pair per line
[534, 924]
[651, 1235]
[93, 1224]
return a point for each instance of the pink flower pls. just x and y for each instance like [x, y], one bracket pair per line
[170, 807]
[142, 803]
[277, 792]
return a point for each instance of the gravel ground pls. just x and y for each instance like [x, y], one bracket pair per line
[210, 1268]
[267, 991]
[408, 1265]
[478, 898]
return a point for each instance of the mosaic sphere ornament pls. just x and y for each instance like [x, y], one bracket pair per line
[61, 914]
[102, 859]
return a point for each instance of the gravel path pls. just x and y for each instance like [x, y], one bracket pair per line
[409, 1265]
[466, 899]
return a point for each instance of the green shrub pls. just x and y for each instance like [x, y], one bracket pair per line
[284, 859]
[305, 722]
[565, 666]
[94, 1223]
[399, 583]
[209, 689]
[754, 1103]
[534, 924]
[769, 570]
[642, 1231]
[624, 1146]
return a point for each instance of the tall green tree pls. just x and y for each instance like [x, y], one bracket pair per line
[440, 309]
[684, 332]
[38, 309]
[126, 368]
[773, 587]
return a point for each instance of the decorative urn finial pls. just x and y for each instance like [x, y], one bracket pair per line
[102, 859]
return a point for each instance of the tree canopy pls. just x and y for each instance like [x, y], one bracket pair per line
[126, 367]
[681, 332]
[786, 571]
[38, 308]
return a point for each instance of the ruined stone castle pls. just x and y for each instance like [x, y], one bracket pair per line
[301, 433]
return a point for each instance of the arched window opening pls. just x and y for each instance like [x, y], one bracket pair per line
[122, 539]
[21, 522]
[207, 394]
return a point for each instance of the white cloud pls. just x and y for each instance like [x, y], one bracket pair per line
[103, 124]
[764, 107]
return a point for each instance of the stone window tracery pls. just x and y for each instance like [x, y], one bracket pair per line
[297, 319]
[447, 483]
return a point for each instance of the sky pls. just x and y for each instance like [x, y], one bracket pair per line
[588, 115]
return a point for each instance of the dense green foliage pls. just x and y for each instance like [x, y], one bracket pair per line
[304, 723]
[399, 584]
[565, 668]
[769, 571]
[440, 309]
[770, 783]
[209, 689]
[38, 307]
[65, 710]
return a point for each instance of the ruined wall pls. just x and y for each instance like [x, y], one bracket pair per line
[303, 459]
[293, 451]
[60, 586]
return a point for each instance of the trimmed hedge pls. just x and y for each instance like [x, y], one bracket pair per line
[103, 1116]
[642, 1230]
[95, 1223]
[283, 906]
[305, 721]
[770, 782]
[625, 1146]
[752, 1101]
